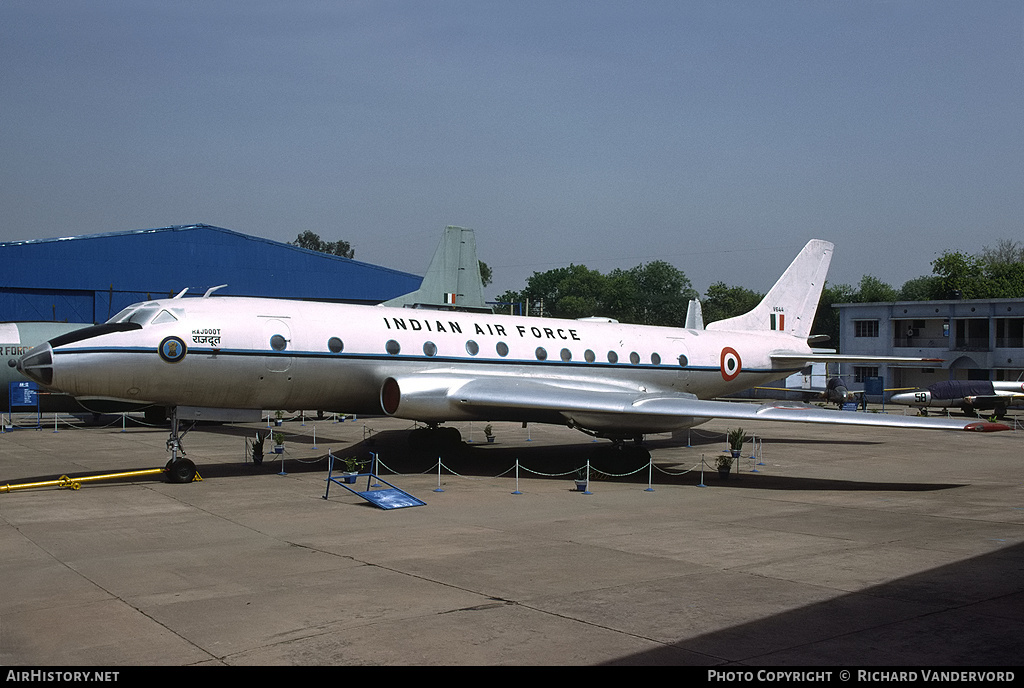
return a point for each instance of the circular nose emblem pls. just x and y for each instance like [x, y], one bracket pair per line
[172, 349]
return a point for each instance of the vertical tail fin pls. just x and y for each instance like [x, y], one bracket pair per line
[694, 316]
[453, 278]
[790, 305]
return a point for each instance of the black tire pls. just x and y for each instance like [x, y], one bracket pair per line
[181, 471]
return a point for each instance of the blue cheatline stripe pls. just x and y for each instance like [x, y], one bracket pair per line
[313, 355]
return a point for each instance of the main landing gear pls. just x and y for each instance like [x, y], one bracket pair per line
[435, 438]
[623, 449]
[178, 469]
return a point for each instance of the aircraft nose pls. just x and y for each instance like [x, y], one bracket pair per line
[37, 364]
[903, 398]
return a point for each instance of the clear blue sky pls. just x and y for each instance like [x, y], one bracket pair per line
[718, 136]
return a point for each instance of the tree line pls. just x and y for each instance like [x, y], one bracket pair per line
[657, 293]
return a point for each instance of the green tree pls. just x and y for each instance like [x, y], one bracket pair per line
[722, 301]
[959, 275]
[1005, 280]
[485, 273]
[874, 290]
[312, 242]
[1006, 251]
[923, 288]
[575, 291]
[655, 293]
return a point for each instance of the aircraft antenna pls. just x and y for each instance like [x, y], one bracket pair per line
[213, 289]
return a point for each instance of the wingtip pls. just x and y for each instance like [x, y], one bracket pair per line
[982, 426]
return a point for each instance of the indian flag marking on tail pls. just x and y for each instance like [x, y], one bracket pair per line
[449, 298]
[778, 321]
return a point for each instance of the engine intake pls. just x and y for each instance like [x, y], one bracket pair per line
[425, 398]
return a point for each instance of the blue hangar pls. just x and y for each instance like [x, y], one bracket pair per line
[88, 278]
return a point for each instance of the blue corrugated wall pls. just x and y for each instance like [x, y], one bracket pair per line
[89, 278]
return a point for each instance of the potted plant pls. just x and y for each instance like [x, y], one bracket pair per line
[581, 479]
[278, 418]
[278, 443]
[489, 432]
[257, 449]
[352, 465]
[736, 439]
[724, 466]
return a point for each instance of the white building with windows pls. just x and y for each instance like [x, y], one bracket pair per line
[979, 339]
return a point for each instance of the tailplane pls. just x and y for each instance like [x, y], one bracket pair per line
[790, 305]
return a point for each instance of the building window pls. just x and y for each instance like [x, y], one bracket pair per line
[1009, 333]
[865, 328]
[862, 373]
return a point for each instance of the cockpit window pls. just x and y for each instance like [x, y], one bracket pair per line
[140, 313]
[122, 315]
[164, 317]
[142, 316]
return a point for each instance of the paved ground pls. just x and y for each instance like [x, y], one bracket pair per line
[846, 547]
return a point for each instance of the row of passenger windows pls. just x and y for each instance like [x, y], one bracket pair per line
[472, 348]
[336, 346]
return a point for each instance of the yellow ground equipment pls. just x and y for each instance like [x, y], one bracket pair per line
[64, 482]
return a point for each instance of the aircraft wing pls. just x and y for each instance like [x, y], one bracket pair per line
[805, 391]
[791, 357]
[996, 398]
[608, 409]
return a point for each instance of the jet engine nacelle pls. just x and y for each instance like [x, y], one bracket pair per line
[426, 398]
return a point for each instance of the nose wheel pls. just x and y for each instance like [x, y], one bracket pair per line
[178, 468]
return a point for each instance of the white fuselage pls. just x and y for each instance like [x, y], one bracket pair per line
[229, 352]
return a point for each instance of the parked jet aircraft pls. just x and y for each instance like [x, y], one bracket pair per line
[970, 395]
[834, 392]
[607, 379]
[15, 340]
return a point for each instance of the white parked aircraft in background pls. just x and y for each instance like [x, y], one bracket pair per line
[971, 396]
[15, 339]
[608, 379]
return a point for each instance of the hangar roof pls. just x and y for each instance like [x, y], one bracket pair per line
[167, 259]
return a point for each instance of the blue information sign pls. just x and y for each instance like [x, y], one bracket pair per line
[23, 393]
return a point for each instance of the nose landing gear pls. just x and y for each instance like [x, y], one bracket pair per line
[178, 469]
